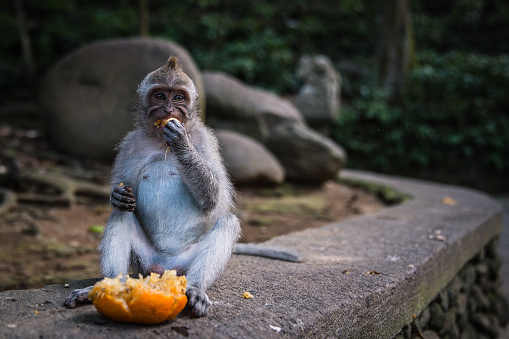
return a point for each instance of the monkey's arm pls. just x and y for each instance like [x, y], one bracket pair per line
[124, 173]
[201, 172]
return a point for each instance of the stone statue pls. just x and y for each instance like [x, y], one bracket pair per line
[319, 97]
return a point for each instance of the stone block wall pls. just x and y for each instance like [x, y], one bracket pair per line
[471, 306]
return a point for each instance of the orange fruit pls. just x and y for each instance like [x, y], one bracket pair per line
[149, 300]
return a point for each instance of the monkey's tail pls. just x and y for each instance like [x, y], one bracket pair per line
[271, 252]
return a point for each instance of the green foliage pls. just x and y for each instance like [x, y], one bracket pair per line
[465, 25]
[257, 41]
[260, 42]
[450, 118]
[55, 28]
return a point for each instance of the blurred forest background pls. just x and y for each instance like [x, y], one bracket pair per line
[447, 122]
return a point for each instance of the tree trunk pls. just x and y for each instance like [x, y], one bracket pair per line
[26, 44]
[144, 18]
[395, 44]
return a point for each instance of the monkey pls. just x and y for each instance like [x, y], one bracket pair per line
[171, 194]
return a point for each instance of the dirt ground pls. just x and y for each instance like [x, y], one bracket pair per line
[42, 244]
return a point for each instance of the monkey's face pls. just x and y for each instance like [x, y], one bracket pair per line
[165, 93]
[165, 103]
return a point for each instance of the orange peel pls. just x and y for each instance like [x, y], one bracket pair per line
[148, 300]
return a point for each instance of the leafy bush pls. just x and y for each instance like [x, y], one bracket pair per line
[451, 118]
[257, 41]
[473, 25]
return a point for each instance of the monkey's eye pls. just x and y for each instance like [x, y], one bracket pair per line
[178, 97]
[160, 96]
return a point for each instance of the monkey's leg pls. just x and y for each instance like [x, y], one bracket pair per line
[123, 241]
[122, 238]
[211, 256]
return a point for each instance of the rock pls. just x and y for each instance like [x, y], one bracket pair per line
[462, 305]
[487, 324]
[87, 96]
[468, 275]
[423, 319]
[233, 105]
[7, 200]
[469, 332]
[247, 161]
[437, 318]
[306, 155]
[443, 299]
[450, 327]
[502, 309]
[427, 335]
[319, 98]
[480, 298]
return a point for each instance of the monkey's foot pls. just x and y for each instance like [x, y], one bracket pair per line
[77, 296]
[198, 300]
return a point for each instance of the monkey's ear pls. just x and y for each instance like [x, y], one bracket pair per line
[173, 63]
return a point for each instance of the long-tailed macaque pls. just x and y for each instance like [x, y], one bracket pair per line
[171, 194]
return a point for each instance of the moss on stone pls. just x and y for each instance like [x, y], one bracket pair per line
[387, 194]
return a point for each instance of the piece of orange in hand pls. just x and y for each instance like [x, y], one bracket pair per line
[149, 300]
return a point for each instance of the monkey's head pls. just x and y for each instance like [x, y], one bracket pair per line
[166, 93]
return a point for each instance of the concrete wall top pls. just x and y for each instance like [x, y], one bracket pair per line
[362, 278]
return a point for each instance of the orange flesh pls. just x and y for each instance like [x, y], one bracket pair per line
[149, 300]
[163, 122]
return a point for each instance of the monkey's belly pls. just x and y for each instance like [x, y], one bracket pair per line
[165, 208]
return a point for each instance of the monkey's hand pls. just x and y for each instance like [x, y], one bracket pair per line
[198, 300]
[174, 133]
[122, 198]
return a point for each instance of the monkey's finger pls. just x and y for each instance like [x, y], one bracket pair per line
[175, 126]
[123, 189]
[125, 197]
[123, 206]
[122, 203]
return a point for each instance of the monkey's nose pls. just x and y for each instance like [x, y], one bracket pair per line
[168, 109]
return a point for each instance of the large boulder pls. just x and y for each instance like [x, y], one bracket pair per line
[247, 161]
[88, 95]
[306, 155]
[245, 109]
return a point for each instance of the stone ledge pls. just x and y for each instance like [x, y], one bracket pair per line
[364, 277]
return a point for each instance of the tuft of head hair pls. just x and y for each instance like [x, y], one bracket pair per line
[173, 63]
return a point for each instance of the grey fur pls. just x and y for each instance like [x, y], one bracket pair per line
[183, 199]
[173, 209]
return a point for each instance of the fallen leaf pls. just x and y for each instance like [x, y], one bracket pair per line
[448, 201]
